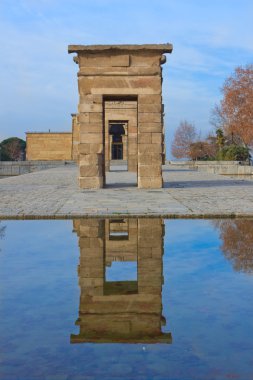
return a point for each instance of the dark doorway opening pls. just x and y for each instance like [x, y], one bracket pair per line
[117, 148]
[117, 131]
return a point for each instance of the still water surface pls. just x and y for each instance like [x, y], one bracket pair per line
[126, 299]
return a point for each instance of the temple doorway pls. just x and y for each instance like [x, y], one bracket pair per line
[117, 148]
[120, 141]
[117, 139]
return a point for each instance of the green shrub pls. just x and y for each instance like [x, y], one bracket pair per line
[233, 153]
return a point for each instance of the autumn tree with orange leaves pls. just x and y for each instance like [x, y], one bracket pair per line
[234, 114]
[203, 150]
[184, 136]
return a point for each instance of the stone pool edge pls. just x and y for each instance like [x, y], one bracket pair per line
[126, 215]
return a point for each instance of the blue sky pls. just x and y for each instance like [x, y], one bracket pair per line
[38, 84]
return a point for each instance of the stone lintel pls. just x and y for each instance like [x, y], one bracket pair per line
[112, 71]
[161, 48]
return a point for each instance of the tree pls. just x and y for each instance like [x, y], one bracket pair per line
[233, 153]
[2, 231]
[202, 150]
[12, 149]
[234, 114]
[220, 138]
[237, 242]
[184, 136]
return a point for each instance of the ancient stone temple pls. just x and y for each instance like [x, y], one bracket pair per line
[122, 310]
[120, 111]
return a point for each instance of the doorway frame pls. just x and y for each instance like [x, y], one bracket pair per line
[107, 122]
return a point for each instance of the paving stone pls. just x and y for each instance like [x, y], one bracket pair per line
[54, 193]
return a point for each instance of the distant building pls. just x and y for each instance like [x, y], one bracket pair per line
[50, 146]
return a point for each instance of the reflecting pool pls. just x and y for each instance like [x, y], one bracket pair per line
[126, 299]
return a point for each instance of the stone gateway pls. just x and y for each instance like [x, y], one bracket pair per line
[120, 111]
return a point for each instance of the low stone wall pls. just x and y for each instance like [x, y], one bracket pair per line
[227, 169]
[215, 167]
[14, 168]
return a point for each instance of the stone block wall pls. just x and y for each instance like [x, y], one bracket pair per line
[150, 139]
[90, 148]
[49, 146]
[91, 265]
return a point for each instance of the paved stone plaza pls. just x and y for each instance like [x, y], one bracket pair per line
[54, 193]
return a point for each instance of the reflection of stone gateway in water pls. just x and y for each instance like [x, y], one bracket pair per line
[120, 311]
